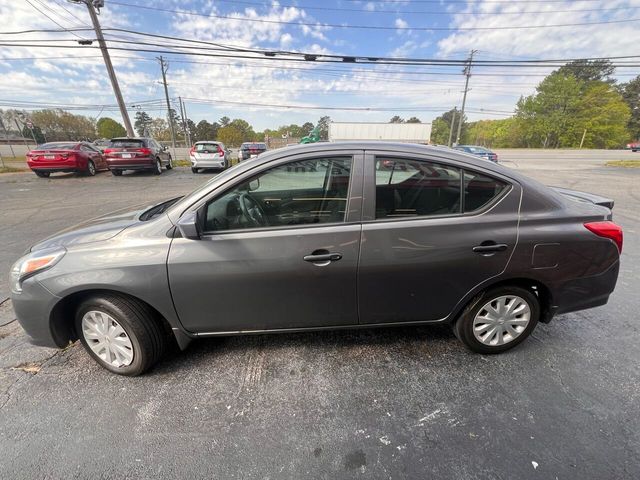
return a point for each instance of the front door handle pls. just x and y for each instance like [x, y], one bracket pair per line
[322, 257]
[494, 247]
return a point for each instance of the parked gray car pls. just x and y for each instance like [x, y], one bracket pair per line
[318, 237]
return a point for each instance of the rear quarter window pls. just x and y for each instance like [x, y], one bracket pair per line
[480, 190]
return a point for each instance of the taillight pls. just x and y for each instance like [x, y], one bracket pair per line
[193, 150]
[220, 151]
[144, 151]
[607, 230]
[108, 150]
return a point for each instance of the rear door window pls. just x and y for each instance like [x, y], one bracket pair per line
[57, 146]
[414, 188]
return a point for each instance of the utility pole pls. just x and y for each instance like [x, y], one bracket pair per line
[163, 67]
[91, 5]
[185, 127]
[453, 122]
[467, 72]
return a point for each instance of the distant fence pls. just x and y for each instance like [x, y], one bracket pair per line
[19, 150]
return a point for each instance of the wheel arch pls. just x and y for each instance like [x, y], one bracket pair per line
[61, 318]
[539, 289]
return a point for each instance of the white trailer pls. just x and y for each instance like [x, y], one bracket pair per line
[392, 132]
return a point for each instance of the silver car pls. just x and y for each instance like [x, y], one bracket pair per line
[208, 155]
[319, 237]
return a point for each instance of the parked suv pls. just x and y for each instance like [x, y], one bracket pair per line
[251, 149]
[208, 154]
[478, 152]
[137, 154]
[77, 157]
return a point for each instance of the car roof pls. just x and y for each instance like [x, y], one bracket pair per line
[207, 141]
[130, 138]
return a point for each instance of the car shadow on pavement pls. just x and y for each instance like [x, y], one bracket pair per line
[358, 344]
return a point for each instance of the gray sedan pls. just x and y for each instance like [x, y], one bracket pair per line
[321, 237]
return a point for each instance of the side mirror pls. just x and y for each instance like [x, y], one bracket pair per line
[254, 184]
[188, 226]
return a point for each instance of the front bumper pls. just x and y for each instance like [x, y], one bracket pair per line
[33, 311]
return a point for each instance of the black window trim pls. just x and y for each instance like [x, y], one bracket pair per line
[371, 165]
[223, 189]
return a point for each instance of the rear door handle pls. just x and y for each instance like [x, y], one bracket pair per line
[496, 247]
[323, 258]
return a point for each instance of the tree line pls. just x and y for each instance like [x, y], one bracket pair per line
[580, 104]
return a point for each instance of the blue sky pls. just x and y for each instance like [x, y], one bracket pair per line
[253, 88]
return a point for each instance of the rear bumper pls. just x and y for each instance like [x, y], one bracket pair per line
[586, 292]
[137, 163]
[214, 163]
[57, 165]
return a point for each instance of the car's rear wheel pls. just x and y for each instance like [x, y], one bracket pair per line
[158, 168]
[91, 169]
[116, 173]
[42, 174]
[194, 170]
[170, 164]
[498, 319]
[120, 333]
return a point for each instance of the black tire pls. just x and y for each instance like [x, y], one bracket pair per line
[463, 328]
[91, 169]
[116, 173]
[42, 174]
[157, 169]
[170, 163]
[140, 324]
[194, 170]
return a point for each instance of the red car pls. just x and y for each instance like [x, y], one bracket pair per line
[634, 146]
[77, 157]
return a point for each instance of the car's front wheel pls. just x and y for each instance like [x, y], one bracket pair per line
[194, 170]
[116, 173]
[498, 319]
[91, 169]
[158, 167]
[120, 333]
[170, 163]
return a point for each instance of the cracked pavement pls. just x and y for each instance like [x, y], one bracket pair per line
[386, 403]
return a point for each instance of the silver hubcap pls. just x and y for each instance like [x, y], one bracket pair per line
[159, 166]
[501, 320]
[92, 168]
[107, 339]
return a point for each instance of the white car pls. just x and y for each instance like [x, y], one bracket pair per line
[208, 154]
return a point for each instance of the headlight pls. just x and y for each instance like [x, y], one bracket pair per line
[31, 264]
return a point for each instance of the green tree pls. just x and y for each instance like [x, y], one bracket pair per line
[306, 128]
[109, 128]
[230, 136]
[159, 129]
[441, 127]
[142, 123]
[34, 132]
[631, 94]
[59, 125]
[413, 120]
[205, 131]
[589, 70]
[323, 127]
[396, 119]
[224, 121]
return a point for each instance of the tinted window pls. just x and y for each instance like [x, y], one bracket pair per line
[57, 146]
[126, 143]
[410, 188]
[479, 190]
[297, 193]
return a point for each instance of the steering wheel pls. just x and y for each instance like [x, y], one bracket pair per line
[252, 211]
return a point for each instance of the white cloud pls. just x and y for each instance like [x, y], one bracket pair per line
[400, 23]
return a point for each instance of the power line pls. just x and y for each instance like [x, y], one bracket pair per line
[58, 24]
[424, 12]
[368, 27]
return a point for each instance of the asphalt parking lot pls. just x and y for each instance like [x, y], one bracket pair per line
[388, 403]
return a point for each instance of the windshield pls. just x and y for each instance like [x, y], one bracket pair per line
[57, 146]
[126, 143]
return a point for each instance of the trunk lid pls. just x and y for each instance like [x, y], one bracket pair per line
[585, 197]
